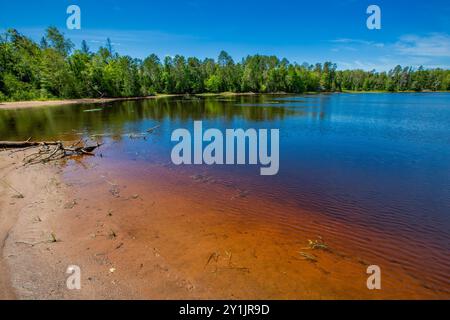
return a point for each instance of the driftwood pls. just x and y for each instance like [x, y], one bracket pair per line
[24, 144]
[49, 150]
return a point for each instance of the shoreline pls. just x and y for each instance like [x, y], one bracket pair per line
[14, 105]
[50, 103]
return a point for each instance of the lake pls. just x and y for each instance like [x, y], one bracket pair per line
[367, 173]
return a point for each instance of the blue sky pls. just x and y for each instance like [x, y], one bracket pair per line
[412, 33]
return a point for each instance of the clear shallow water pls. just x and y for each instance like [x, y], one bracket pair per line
[377, 163]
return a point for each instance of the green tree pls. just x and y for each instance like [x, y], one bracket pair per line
[213, 83]
[53, 69]
[57, 41]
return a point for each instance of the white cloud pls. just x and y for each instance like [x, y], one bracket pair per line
[429, 50]
[358, 42]
[348, 40]
[433, 45]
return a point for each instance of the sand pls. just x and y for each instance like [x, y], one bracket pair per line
[47, 103]
[23, 196]
[34, 204]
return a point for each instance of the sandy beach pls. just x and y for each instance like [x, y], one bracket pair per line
[48, 103]
[34, 258]
[25, 200]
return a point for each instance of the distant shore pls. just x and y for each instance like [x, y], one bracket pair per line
[60, 102]
[8, 105]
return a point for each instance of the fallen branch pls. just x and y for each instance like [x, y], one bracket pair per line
[49, 150]
[24, 144]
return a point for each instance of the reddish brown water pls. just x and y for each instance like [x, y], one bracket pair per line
[224, 242]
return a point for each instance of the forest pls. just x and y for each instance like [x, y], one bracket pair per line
[54, 68]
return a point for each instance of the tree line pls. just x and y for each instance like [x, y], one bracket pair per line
[54, 68]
